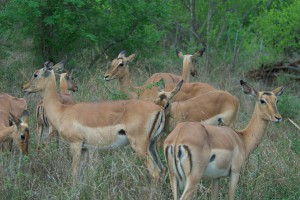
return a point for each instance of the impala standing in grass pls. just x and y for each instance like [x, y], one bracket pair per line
[188, 69]
[106, 125]
[194, 150]
[120, 70]
[66, 83]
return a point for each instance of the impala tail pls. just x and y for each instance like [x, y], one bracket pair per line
[156, 129]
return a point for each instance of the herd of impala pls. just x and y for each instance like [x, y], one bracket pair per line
[197, 118]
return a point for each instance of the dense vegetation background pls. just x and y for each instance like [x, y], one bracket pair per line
[242, 39]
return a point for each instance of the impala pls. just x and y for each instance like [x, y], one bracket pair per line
[215, 107]
[66, 83]
[106, 125]
[12, 128]
[188, 68]
[194, 150]
[119, 70]
[15, 106]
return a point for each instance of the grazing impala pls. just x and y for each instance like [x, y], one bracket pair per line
[194, 150]
[188, 68]
[66, 83]
[15, 106]
[215, 107]
[119, 70]
[107, 125]
[12, 128]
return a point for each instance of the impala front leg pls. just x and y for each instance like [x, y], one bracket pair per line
[75, 149]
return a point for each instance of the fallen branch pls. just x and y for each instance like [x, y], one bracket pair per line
[294, 124]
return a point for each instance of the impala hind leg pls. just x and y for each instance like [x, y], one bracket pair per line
[191, 185]
[215, 189]
[234, 178]
[173, 179]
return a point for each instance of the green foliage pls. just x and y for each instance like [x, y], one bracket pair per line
[64, 27]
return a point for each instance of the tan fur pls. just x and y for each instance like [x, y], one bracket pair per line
[15, 106]
[101, 124]
[67, 84]
[17, 132]
[216, 151]
[188, 69]
[215, 107]
[119, 70]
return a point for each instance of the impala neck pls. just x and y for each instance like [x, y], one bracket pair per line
[127, 87]
[51, 102]
[253, 134]
[63, 86]
[186, 70]
[7, 132]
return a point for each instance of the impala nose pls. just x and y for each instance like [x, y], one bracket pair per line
[278, 119]
[106, 77]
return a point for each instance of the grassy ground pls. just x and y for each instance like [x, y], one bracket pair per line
[271, 172]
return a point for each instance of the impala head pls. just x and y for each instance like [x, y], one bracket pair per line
[164, 99]
[119, 67]
[265, 101]
[21, 134]
[70, 81]
[38, 80]
[190, 61]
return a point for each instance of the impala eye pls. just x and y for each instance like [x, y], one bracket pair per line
[121, 64]
[35, 75]
[263, 101]
[23, 137]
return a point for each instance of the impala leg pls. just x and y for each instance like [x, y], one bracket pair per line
[233, 184]
[174, 182]
[190, 186]
[39, 133]
[215, 189]
[75, 149]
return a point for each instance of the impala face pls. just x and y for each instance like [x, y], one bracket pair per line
[267, 102]
[70, 81]
[119, 67]
[190, 61]
[164, 99]
[37, 82]
[21, 136]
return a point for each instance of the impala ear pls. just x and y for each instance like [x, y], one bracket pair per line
[122, 54]
[131, 57]
[179, 54]
[249, 90]
[199, 53]
[176, 89]
[161, 85]
[13, 119]
[278, 91]
[24, 117]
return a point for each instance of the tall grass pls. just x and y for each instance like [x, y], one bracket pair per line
[271, 172]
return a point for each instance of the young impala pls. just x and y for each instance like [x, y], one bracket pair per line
[194, 150]
[106, 125]
[188, 68]
[12, 128]
[66, 83]
[215, 107]
[120, 70]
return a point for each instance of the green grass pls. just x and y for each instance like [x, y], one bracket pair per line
[271, 172]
